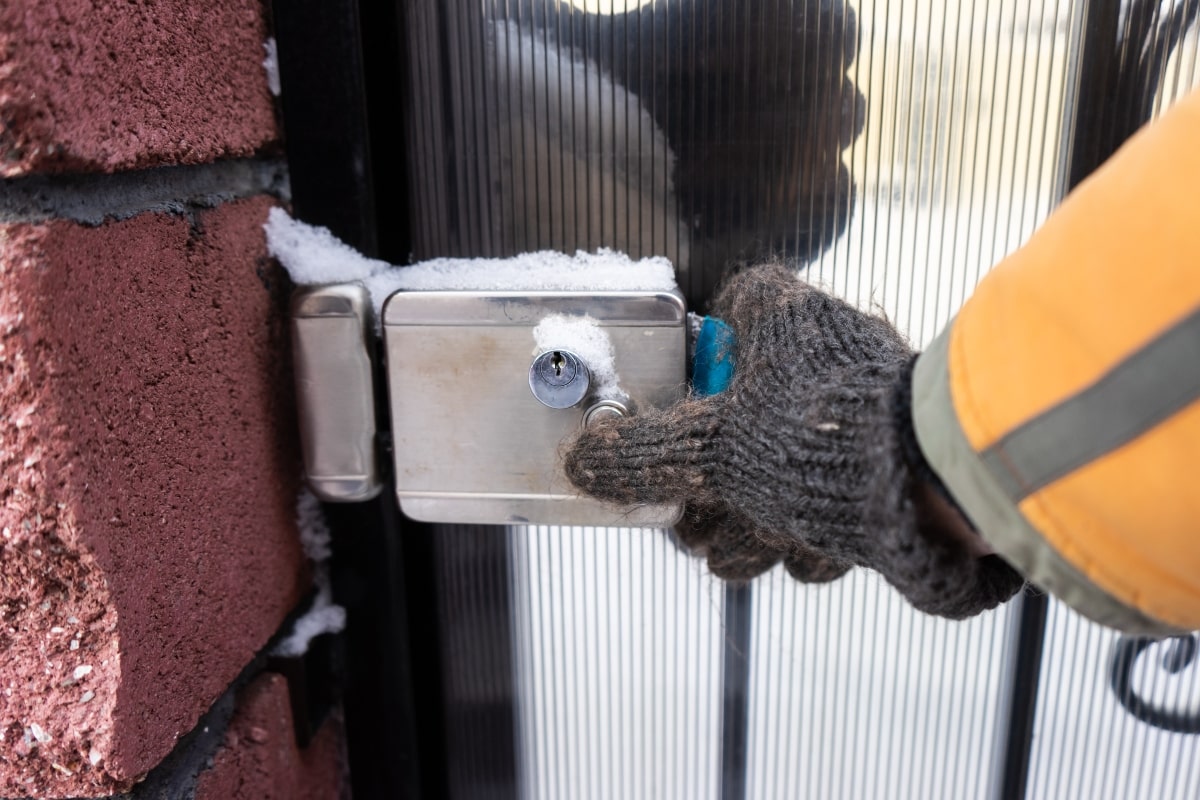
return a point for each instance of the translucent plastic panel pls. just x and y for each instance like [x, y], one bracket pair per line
[1088, 743]
[963, 150]
[708, 131]
[617, 639]
[853, 694]
[1179, 68]
[475, 634]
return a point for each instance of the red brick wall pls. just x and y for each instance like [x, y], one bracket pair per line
[260, 760]
[148, 465]
[106, 85]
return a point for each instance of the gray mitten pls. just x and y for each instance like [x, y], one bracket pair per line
[808, 457]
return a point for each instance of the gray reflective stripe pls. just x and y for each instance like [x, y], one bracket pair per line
[1160, 379]
[992, 509]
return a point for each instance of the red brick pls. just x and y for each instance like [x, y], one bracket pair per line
[260, 759]
[148, 474]
[99, 85]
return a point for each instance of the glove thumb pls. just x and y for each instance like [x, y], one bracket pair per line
[652, 457]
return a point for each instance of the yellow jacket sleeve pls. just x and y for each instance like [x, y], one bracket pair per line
[1061, 408]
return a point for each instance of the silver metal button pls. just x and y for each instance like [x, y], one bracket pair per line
[605, 409]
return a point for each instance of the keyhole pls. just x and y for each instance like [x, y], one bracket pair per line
[558, 378]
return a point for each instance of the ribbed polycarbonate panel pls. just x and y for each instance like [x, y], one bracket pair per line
[855, 695]
[1180, 64]
[1087, 743]
[476, 635]
[617, 642]
[474, 630]
[962, 153]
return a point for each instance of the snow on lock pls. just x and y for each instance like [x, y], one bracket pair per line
[313, 255]
[584, 337]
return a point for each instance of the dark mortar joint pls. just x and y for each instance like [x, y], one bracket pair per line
[95, 199]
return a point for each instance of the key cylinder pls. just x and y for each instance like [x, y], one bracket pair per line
[559, 379]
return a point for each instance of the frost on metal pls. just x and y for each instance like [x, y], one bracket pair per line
[314, 531]
[313, 255]
[323, 616]
[584, 337]
[271, 65]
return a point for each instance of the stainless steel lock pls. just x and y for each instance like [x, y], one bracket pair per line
[479, 405]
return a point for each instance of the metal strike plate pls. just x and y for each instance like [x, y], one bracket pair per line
[332, 342]
[472, 442]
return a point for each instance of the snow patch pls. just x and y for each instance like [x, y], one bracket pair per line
[314, 531]
[312, 255]
[271, 65]
[323, 616]
[584, 337]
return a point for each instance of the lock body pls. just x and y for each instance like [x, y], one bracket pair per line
[471, 441]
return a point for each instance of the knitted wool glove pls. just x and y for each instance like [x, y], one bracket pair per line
[807, 458]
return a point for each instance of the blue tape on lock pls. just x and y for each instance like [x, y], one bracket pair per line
[714, 361]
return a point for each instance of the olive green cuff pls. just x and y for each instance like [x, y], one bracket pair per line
[983, 498]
